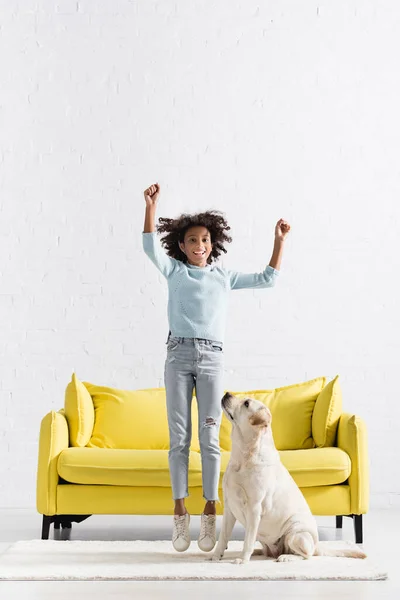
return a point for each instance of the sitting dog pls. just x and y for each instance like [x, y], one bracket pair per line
[260, 493]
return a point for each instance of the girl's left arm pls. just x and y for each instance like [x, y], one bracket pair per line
[277, 253]
[268, 277]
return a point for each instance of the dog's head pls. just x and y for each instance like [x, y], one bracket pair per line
[247, 414]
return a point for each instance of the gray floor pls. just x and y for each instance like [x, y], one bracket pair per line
[381, 528]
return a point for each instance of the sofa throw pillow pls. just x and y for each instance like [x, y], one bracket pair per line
[326, 415]
[291, 407]
[132, 419]
[79, 412]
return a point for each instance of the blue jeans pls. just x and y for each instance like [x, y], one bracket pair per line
[194, 363]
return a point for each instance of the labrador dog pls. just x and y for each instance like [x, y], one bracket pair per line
[260, 493]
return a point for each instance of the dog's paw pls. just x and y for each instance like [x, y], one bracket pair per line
[288, 558]
[216, 557]
[240, 561]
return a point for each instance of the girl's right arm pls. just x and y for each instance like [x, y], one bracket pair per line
[151, 196]
[151, 245]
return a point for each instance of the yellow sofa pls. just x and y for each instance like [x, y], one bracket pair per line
[106, 452]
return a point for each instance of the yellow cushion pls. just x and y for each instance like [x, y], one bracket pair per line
[104, 466]
[79, 412]
[318, 466]
[132, 419]
[291, 407]
[309, 468]
[326, 415]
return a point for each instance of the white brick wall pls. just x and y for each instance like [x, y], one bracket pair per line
[264, 110]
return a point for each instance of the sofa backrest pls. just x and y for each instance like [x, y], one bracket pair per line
[138, 418]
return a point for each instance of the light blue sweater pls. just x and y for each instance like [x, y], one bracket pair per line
[198, 296]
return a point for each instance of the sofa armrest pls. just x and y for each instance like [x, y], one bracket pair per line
[352, 438]
[53, 439]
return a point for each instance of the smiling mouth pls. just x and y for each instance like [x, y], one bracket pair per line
[199, 253]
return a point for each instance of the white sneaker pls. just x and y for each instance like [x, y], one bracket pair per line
[180, 532]
[207, 537]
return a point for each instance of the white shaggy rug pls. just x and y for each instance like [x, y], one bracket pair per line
[154, 560]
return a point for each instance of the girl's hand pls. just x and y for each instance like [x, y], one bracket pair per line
[281, 230]
[151, 195]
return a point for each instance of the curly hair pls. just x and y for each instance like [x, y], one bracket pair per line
[175, 230]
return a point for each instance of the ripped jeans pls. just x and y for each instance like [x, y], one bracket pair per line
[194, 363]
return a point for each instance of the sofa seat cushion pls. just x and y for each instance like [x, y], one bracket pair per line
[309, 468]
[318, 466]
[105, 466]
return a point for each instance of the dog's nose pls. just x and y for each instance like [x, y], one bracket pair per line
[226, 397]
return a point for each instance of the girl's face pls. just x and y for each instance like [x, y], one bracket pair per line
[197, 245]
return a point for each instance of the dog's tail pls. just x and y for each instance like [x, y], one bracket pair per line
[340, 552]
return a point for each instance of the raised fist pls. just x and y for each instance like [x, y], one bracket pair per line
[151, 194]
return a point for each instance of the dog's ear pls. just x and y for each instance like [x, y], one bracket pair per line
[261, 418]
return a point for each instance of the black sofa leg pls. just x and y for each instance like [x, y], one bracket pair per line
[339, 521]
[358, 528]
[65, 521]
[46, 527]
